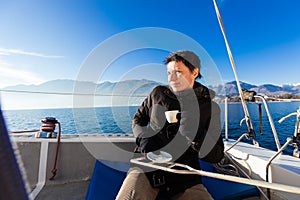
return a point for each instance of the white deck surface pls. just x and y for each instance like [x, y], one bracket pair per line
[284, 169]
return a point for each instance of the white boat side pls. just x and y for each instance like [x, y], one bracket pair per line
[76, 163]
[284, 169]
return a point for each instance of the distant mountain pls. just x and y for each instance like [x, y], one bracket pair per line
[60, 85]
[143, 87]
[122, 93]
[139, 87]
[230, 89]
[130, 87]
[270, 89]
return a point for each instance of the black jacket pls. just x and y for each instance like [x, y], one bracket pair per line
[196, 135]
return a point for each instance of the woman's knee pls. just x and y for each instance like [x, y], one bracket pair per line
[137, 186]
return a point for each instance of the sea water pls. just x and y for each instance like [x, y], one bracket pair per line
[107, 120]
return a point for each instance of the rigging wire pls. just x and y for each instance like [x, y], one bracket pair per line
[247, 115]
[70, 93]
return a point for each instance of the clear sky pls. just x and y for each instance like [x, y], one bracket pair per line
[51, 39]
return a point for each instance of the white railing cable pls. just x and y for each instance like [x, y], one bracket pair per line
[190, 170]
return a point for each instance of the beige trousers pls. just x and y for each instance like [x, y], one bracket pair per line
[137, 187]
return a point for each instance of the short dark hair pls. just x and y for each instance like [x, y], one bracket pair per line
[188, 58]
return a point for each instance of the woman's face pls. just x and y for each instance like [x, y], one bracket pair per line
[180, 77]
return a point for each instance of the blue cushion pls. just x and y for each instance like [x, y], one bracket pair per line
[108, 177]
[226, 190]
[106, 180]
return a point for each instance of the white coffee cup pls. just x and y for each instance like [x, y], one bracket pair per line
[171, 116]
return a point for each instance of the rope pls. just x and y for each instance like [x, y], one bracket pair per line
[23, 131]
[54, 170]
[243, 171]
[225, 167]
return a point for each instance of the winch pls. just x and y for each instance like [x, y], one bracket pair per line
[47, 129]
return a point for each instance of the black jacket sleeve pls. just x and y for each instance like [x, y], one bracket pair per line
[202, 129]
[144, 127]
[212, 146]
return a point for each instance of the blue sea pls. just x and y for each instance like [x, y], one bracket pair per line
[107, 120]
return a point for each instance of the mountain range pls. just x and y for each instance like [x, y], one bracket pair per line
[72, 94]
[128, 92]
[143, 87]
[265, 89]
[127, 87]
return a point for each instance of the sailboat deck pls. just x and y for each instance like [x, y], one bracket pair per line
[284, 169]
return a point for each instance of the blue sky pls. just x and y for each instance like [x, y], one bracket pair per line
[52, 39]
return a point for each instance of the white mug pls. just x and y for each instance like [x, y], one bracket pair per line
[171, 116]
